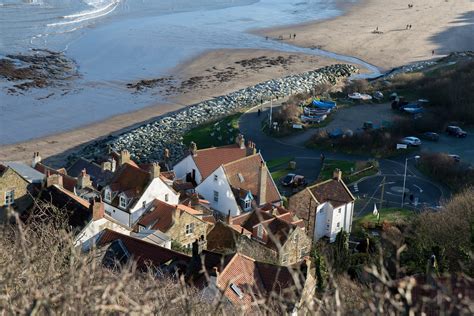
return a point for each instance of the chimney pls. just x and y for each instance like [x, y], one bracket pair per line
[239, 140]
[54, 179]
[36, 159]
[194, 199]
[193, 149]
[124, 157]
[155, 170]
[84, 180]
[337, 175]
[198, 247]
[106, 166]
[251, 150]
[262, 184]
[228, 218]
[96, 207]
[113, 165]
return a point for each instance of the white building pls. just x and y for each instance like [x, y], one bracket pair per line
[132, 189]
[326, 207]
[239, 186]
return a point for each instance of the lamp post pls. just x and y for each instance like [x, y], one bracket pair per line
[405, 177]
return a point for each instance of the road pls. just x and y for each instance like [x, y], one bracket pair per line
[425, 192]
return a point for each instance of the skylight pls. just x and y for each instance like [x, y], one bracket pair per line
[241, 177]
[237, 290]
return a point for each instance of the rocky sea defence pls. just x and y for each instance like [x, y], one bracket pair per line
[148, 142]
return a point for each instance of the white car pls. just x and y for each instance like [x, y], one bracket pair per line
[411, 141]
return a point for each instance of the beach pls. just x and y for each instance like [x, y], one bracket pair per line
[437, 26]
[84, 115]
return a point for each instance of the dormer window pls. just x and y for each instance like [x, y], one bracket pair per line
[123, 201]
[247, 204]
[108, 195]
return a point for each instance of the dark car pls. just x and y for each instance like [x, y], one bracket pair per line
[430, 136]
[293, 180]
[455, 131]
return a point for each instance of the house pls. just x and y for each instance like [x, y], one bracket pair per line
[99, 174]
[246, 283]
[180, 223]
[240, 186]
[326, 207]
[14, 191]
[132, 190]
[200, 163]
[122, 249]
[275, 236]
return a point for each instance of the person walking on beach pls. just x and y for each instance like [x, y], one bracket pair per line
[294, 36]
[432, 52]
[410, 26]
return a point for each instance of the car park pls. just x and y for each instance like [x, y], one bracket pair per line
[456, 131]
[293, 180]
[411, 141]
[430, 136]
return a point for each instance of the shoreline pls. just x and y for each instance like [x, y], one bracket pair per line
[60, 145]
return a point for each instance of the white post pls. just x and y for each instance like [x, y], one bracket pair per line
[404, 181]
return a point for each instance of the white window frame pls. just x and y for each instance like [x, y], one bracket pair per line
[247, 204]
[216, 177]
[9, 197]
[123, 199]
[338, 224]
[167, 197]
[107, 195]
[216, 196]
[189, 229]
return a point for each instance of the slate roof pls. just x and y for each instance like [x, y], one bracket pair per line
[98, 176]
[333, 191]
[248, 170]
[209, 159]
[26, 172]
[141, 251]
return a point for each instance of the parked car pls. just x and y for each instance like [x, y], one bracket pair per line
[411, 141]
[430, 136]
[456, 131]
[293, 180]
[456, 158]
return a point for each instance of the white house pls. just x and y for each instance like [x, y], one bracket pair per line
[199, 164]
[326, 207]
[132, 189]
[239, 186]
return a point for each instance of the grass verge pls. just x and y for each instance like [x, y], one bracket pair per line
[349, 169]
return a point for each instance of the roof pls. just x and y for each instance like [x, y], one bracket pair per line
[248, 170]
[332, 191]
[256, 280]
[142, 252]
[130, 180]
[78, 210]
[97, 174]
[26, 172]
[209, 159]
[69, 182]
[160, 215]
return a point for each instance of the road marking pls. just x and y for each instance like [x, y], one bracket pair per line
[420, 189]
[356, 188]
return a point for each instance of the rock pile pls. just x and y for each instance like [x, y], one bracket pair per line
[147, 142]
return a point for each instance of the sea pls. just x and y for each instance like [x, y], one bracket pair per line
[114, 42]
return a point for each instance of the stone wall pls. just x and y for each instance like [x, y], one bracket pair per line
[297, 242]
[178, 231]
[10, 180]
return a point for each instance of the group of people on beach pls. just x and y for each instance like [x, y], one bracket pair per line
[281, 37]
[408, 27]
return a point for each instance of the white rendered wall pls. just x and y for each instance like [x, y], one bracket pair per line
[186, 166]
[88, 236]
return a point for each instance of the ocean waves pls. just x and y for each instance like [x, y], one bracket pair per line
[98, 9]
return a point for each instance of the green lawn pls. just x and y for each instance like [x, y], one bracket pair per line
[347, 168]
[279, 162]
[391, 215]
[278, 174]
[217, 133]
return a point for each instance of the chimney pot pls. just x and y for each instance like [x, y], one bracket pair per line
[337, 175]
[54, 179]
[36, 159]
[124, 157]
[84, 180]
[193, 149]
[97, 209]
[155, 170]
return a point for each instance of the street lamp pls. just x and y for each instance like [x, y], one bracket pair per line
[405, 177]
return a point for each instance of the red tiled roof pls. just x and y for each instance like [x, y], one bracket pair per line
[69, 183]
[209, 159]
[249, 170]
[332, 191]
[131, 180]
[142, 251]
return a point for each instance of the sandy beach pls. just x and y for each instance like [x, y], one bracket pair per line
[252, 67]
[439, 25]
[436, 25]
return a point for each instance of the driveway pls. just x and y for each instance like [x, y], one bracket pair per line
[308, 160]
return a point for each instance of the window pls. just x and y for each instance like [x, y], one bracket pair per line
[123, 201]
[167, 197]
[260, 231]
[144, 204]
[338, 224]
[10, 197]
[295, 239]
[108, 196]
[339, 211]
[302, 252]
[237, 290]
[284, 258]
[247, 204]
[189, 228]
[216, 177]
[216, 196]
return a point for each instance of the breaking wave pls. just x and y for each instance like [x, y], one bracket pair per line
[98, 9]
